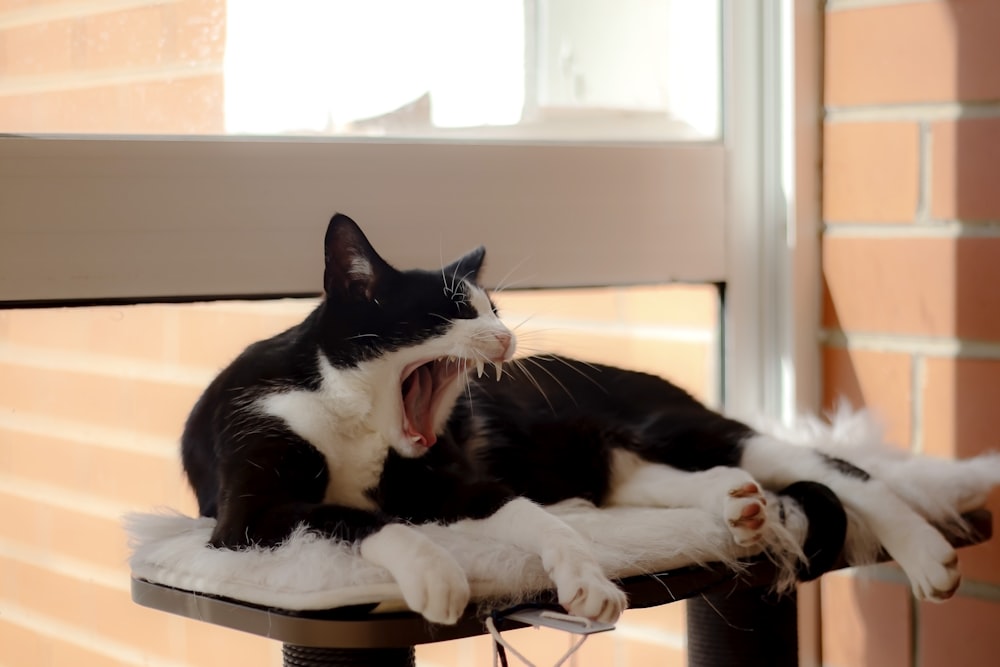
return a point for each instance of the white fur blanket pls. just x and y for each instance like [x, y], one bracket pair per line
[309, 572]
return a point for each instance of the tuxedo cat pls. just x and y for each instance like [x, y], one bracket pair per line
[374, 413]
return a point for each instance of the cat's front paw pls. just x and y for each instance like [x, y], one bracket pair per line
[584, 591]
[432, 582]
[744, 512]
[436, 588]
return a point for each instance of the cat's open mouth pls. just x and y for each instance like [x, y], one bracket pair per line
[423, 387]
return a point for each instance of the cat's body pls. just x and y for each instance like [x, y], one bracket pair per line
[369, 415]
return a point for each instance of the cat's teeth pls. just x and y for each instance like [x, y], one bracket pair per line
[499, 366]
[480, 367]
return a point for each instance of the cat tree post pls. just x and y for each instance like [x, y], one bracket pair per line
[309, 656]
[750, 628]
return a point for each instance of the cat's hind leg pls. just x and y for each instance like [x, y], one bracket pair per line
[925, 555]
[728, 492]
[939, 489]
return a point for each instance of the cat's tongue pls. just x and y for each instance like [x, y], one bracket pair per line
[418, 394]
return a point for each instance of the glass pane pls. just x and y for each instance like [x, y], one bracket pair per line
[508, 69]
[668, 330]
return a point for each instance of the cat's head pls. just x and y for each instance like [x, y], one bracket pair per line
[414, 335]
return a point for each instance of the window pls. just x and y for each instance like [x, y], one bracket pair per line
[151, 155]
[118, 182]
[88, 216]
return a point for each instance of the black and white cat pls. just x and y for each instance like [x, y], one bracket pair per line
[368, 416]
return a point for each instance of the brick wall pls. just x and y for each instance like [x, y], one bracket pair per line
[122, 66]
[911, 265]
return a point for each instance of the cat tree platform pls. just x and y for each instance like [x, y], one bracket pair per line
[733, 620]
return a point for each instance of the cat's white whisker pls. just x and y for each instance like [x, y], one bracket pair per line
[555, 357]
[519, 363]
[552, 375]
[502, 284]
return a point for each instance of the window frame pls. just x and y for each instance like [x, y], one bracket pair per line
[108, 219]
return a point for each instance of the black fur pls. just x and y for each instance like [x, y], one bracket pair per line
[844, 467]
[827, 527]
[571, 415]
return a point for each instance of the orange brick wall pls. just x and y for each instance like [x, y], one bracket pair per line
[130, 66]
[911, 266]
[92, 401]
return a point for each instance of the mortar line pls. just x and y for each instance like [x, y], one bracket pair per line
[842, 5]
[81, 637]
[918, 374]
[948, 229]
[66, 11]
[912, 111]
[929, 346]
[109, 77]
[924, 184]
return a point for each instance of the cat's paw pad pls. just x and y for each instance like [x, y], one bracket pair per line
[744, 513]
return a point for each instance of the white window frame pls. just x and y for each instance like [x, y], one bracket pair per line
[99, 218]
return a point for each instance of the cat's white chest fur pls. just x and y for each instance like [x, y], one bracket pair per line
[341, 420]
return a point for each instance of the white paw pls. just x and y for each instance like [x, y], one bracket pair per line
[435, 586]
[432, 582]
[932, 566]
[744, 512]
[583, 590]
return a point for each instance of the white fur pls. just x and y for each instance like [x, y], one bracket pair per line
[730, 493]
[310, 572]
[430, 579]
[924, 554]
[937, 490]
[581, 586]
[342, 423]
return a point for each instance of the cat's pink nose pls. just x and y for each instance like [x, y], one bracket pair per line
[507, 344]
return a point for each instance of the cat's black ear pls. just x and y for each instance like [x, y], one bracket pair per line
[467, 267]
[353, 268]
